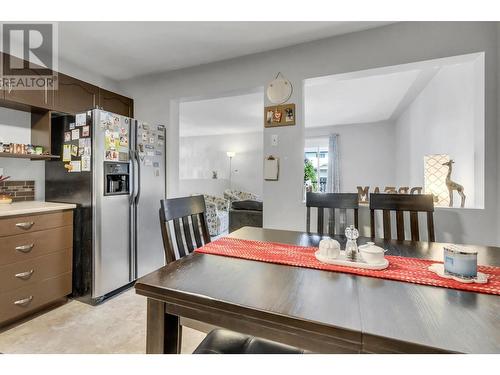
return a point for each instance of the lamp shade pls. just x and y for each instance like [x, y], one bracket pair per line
[231, 154]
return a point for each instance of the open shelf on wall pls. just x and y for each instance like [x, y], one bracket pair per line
[28, 156]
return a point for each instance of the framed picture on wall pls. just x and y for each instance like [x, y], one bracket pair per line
[279, 115]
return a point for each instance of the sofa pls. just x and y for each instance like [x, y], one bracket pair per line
[245, 209]
[217, 214]
[236, 195]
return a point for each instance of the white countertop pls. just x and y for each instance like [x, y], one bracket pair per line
[31, 207]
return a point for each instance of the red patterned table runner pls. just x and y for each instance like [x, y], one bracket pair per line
[411, 270]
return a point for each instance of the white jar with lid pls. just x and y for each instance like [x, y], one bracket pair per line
[371, 253]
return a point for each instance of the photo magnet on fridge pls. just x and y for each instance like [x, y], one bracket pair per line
[85, 163]
[66, 152]
[67, 136]
[75, 134]
[81, 119]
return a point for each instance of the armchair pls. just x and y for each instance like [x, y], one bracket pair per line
[217, 213]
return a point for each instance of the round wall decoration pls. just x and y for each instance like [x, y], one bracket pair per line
[279, 89]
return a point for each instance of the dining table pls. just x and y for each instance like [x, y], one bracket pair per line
[317, 310]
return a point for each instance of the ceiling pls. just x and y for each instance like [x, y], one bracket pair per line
[372, 95]
[366, 99]
[226, 115]
[123, 50]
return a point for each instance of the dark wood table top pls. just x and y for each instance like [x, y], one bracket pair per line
[381, 315]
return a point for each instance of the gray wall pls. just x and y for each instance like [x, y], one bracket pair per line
[366, 153]
[443, 119]
[199, 156]
[156, 100]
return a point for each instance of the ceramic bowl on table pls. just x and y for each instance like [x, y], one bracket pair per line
[371, 253]
[329, 248]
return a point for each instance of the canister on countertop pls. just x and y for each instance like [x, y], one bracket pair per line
[460, 261]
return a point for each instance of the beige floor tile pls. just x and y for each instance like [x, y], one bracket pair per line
[116, 326]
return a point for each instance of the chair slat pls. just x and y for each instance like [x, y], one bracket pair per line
[167, 237]
[187, 234]
[308, 220]
[331, 221]
[430, 227]
[204, 228]
[196, 230]
[400, 225]
[386, 218]
[321, 215]
[372, 223]
[178, 238]
[342, 220]
[415, 235]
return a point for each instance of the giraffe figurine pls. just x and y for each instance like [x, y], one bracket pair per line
[452, 185]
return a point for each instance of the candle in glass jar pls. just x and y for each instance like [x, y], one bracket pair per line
[460, 262]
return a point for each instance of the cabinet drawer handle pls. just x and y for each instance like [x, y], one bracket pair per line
[24, 301]
[26, 225]
[24, 275]
[25, 248]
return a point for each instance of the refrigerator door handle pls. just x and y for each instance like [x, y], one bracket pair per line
[138, 195]
[132, 179]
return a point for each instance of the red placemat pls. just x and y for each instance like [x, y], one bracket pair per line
[411, 270]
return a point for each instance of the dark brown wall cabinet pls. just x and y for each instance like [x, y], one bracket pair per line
[121, 105]
[74, 96]
[42, 98]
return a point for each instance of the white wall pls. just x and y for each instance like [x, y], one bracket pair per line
[15, 127]
[157, 99]
[199, 156]
[366, 153]
[443, 119]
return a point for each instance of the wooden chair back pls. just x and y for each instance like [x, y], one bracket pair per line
[331, 202]
[187, 213]
[414, 203]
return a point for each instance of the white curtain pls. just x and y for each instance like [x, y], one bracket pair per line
[333, 180]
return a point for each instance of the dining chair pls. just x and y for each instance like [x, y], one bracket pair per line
[188, 213]
[187, 216]
[414, 203]
[331, 202]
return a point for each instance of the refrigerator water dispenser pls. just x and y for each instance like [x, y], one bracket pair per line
[116, 178]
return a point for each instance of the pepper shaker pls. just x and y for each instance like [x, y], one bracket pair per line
[351, 247]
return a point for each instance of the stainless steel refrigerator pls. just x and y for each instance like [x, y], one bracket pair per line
[117, 178]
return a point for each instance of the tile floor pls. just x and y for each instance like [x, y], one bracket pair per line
[116, 326]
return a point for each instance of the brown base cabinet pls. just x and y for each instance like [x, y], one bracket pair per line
[35, 262]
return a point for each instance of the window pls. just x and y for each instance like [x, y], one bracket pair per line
[315, 168]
